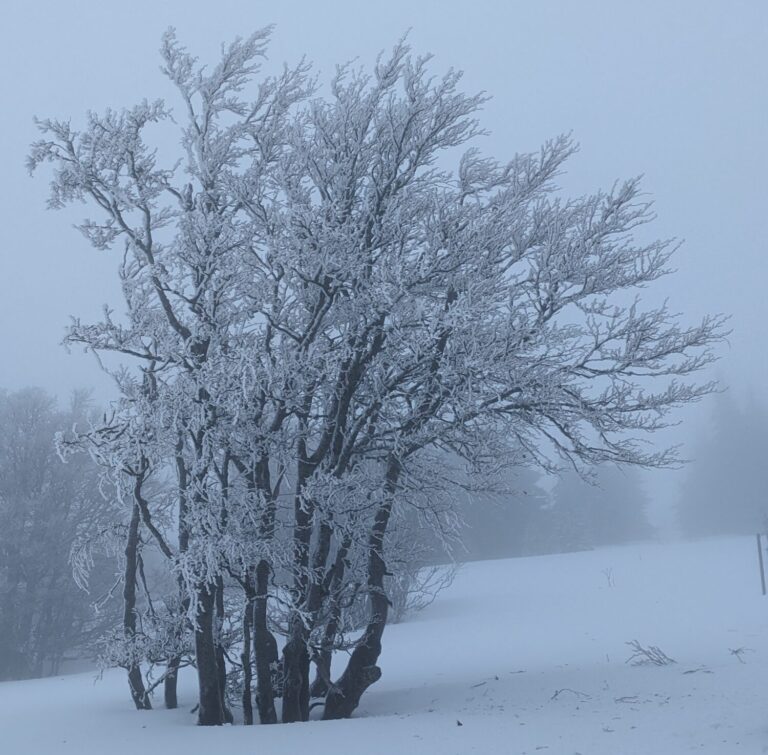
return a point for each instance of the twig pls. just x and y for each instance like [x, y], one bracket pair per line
[651, 655]
[580, 695]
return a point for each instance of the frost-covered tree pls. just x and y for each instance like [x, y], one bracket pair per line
[125, 448]
[319, 309]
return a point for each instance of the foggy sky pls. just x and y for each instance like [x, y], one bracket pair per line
[673, 90]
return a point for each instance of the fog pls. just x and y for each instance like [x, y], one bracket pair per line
[672, 92]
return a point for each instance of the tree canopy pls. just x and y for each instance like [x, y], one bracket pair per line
[317, 312]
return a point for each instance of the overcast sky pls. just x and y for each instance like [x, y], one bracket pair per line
[673, 90]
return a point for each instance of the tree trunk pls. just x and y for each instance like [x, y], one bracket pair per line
[322, 682]
[211, 708]
[296, 674]
[135, 680]
[362, 671]
[295, 652]
[245, 654]
[221, 663]
[264, 648]
[170, 685]
[321, 685]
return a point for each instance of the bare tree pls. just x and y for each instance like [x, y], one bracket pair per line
[315, 303]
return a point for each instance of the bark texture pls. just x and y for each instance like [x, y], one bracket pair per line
[361, 671]
[211, 707]
[135, 680]
[264, 648]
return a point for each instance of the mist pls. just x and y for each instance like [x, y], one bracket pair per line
[337, 336]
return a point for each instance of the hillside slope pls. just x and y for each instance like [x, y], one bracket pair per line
[529, 655]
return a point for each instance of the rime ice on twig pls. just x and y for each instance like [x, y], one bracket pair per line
[651, 655]
[313, 301]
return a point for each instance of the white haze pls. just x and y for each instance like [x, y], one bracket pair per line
[675, 91]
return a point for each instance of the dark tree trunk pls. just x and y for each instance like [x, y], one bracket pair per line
[295, 652]
[135, 680]
[264, 648]
[245, 654]
[322, 682]
[170, 683]
[296, 674]
[211, 708]
[221, 663]
[138, 691]
[362, 671]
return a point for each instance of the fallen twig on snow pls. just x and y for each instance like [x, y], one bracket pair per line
[738, 652]
[652, 655]
[580, 695]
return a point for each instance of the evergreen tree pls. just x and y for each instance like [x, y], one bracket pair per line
[496, 526]
[724, 491]
[583, 515]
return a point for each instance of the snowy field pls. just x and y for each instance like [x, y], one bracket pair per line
[519, 656]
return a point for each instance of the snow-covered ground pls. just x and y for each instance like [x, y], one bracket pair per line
[519, 656]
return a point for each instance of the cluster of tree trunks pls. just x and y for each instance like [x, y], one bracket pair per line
[325, 304]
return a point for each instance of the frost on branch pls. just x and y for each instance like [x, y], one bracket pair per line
[321, 319]
[651, 655]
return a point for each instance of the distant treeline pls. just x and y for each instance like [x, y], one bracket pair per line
[725, 485]
[575, 515]
[44, 505]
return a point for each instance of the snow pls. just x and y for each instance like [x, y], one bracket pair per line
[528, 654]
